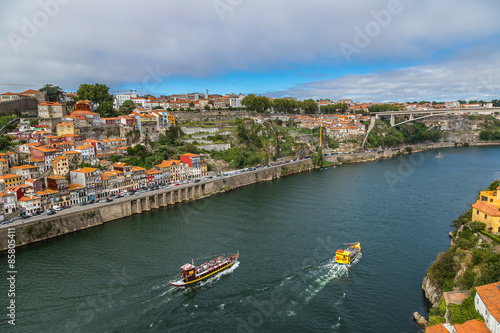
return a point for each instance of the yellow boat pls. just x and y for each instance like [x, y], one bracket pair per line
[347, 256]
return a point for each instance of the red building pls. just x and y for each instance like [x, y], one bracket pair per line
[191, 159]
[18, 190]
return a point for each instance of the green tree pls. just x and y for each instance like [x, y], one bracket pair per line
[105, 109]
[318, 157]
[309, 106]
[54, 93]
[206, 107]
[96, 93]
[128, 106]
[4, 142]
[284, 105]
[256, 103]
[33, 122]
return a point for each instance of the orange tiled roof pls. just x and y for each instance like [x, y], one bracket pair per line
[50, 103]
[487, 208]
[490, 294]
[46, 192]
[28, 198]
[75, 186]
[24, 167]
[472, 326]
[85, 170]
[56, 177]
[164, 164]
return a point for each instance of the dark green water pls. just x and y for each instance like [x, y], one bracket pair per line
[114, 278]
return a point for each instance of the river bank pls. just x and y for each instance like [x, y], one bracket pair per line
[77, 218]
[471, 260]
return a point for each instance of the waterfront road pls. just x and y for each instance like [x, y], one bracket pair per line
[182, 185]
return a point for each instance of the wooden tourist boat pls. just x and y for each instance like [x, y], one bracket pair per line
[191, 274]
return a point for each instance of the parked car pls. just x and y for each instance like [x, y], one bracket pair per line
[52, 212]
[91, 202]
[109, 199]
[197, 181]
[7, 221]
[83, 203]
[57, 208]
[102, 200]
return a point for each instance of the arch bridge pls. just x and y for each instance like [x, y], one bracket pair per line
[418, 115]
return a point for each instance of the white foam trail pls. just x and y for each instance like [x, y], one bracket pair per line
[340, 301]
[337, 325]
[335, 272]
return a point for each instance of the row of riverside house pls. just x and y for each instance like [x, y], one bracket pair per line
[22, 191]
[55, 152]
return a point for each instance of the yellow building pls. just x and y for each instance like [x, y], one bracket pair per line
[11, 180]
[487, 213]
[61, 166]
[492, 197]
[4, 167]
[65, 128]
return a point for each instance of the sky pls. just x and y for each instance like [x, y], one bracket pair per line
[365, 50]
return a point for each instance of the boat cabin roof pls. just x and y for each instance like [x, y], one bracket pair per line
[187, 267]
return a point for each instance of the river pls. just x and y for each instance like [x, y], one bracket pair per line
[114, 278]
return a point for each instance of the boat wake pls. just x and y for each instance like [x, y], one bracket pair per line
[335, 272]
[316, 281]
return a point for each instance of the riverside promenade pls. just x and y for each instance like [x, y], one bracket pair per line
[39, 228]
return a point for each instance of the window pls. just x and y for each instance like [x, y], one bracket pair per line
[485, 216]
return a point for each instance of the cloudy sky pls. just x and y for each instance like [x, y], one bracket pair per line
[367, 50]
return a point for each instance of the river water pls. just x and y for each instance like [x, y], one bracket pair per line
[114, 278]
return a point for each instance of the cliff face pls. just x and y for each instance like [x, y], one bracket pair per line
[432, 291]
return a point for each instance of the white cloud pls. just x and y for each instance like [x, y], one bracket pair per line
[461, 78]
[115, 42]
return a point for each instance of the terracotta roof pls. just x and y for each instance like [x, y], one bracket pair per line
[136, 168]
[72, 152]
[49, 103]
[490, 295]
[46, 192]
[84, 170]
[58, 158]
[9, 176]
[56, 177]
[487, 208]
[24, 167]
[28, 198]
[472, 326]
[75, 186]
